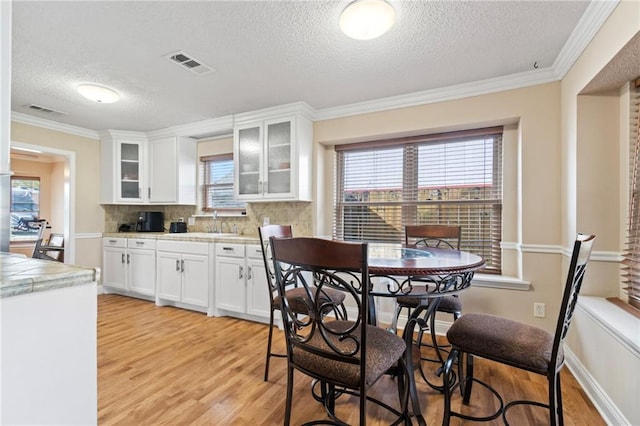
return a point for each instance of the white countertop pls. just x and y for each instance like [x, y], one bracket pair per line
[187, 236]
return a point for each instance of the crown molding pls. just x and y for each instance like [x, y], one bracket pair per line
[219, 126]
[53, 125]
[123, 134]
[300, 107]
[459, 91]
[592, 20]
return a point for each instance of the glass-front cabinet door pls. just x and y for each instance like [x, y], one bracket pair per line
[130, 163]
[278, 158]
[249, 152]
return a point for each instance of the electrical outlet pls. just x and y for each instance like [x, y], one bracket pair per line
[265, 221]
[539, 310]
[192, 221]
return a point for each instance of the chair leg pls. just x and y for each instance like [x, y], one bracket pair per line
[266, 364]
[287, 412]
[394, 320]
[468, 378]
[448, 365]
[555, 401]
[559, 401]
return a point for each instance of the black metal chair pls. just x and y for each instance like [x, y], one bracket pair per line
[344, 356]
[516, 344]
[53, 249]
[440, 236]
[282, 231]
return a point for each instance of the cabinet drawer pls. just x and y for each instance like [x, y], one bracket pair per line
[183, 247]
[231, 250]
[254, 251]
[114, 242]
[141, 243]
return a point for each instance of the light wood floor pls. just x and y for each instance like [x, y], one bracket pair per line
[161, 365]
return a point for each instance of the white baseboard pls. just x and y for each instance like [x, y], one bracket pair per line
[605, 406]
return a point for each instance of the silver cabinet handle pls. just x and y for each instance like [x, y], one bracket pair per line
[122, 260]
[149, 191]
[182, 265]
[112, 241]
[177, 265]
[241, 273]
[249, 272]
[140, 243]
[128, 259]
[139, 192]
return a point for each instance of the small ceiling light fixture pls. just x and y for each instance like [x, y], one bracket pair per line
[367, 19]
[98, 93]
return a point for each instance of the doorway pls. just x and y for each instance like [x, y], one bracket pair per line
[56, 170]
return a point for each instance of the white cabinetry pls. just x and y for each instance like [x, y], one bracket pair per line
[241, 288]
[140, 171]
[172, 171]
[129, 266]
[273, 159]
[183, 274]
[123, 163]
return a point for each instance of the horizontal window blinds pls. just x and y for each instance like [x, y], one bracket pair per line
[631, 263]
[216, 175]
[450, 179]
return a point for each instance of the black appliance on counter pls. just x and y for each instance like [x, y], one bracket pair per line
[150, 222]
[177, 227]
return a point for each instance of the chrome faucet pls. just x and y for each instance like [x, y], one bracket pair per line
[214, 229]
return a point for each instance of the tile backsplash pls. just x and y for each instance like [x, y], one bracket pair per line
[297, 214]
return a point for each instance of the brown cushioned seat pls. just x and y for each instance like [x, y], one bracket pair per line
[504, 340]
[383, 350]
[448, 304]
[298, 298]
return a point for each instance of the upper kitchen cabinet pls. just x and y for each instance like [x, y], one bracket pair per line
[136, 170]
[123, 163]
[273, 159]
[172, 170]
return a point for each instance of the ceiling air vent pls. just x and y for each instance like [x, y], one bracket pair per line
[189, 62]
[38, 108]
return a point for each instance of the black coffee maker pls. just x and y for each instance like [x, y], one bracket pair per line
[150, 222]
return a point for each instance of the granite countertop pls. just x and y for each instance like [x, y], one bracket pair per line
[206, 237]
[21, 275]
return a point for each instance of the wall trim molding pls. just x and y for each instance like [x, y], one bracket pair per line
[598, 397]
[87, 235]
[53, 125]
[592, 20]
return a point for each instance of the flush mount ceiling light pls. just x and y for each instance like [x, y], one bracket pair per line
[367, 19]
[98, 93]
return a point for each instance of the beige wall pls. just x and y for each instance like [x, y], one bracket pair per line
[87, 215]
[595, 147]
[532, 214]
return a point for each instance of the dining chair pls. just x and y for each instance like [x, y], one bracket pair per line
[343, 355]
[516, 344]
[282, 231]
[440, 236]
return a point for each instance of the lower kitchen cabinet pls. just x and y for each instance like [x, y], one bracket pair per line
[183, 274]
[129, 266]
[241, 286]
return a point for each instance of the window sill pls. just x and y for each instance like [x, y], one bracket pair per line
[500, 281]
[624, 326]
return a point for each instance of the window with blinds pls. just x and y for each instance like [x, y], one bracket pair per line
[450, 178]
[631, 262]
[216, 177]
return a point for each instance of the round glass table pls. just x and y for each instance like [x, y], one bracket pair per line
[422, 272]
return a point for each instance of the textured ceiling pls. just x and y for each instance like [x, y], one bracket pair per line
[265, 53]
